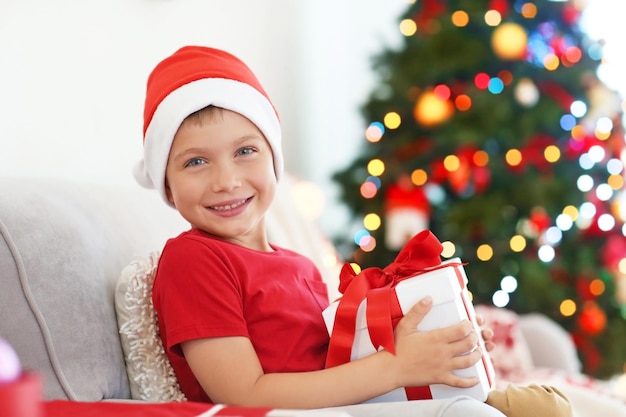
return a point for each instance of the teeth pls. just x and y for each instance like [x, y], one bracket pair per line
[229, 206]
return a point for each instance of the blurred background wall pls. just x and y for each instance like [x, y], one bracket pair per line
[73, 73]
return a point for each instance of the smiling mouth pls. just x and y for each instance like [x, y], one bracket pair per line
[230, 206]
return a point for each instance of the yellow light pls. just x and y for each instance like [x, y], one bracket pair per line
[578, 132]
[448, 249]
[484, 252]
[460, 18]
[430, 110]
[602, 134]
[616, 181]
[419, 177]
[392, 120]
[371, 221]
[451, 163]
[376, 167]
[551, 62]
[513, 157]
[552, 153]
[571, 211]
[493, 18]
[567, 308]
[408, 27]
[481, 158]
[517, 243]
[597, 287]
[509, 41]
[622, 266]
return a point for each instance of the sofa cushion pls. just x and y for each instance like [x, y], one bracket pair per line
[150, 373]
[62, 247]
[512, 354]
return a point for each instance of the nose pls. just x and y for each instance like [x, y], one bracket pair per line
[224, 177]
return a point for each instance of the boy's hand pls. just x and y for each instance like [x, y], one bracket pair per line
[426, 358]
[486, 332]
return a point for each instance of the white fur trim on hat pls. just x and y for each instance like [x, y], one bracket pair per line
[189, 98]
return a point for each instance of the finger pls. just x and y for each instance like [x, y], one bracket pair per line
[462, 346]
[456, 332]
[466, 360]
[459, 382]
[416, 314]
[489, 345]
[486, 334]
[480, 319]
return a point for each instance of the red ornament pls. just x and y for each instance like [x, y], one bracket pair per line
[431, 9]
[470, 176]
[592, 319]
[613, 251]
[501, 6]
[570, 14]
[589, 352]
[557, 93]
[583, 289]
[533, 152]
[540, 220]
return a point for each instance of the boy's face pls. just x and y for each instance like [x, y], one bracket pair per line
[220, 176]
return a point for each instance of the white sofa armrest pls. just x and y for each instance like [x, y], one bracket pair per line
[550, 345]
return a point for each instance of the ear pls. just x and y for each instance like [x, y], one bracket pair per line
[168, 193]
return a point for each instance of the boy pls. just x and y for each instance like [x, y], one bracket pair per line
[239, 317]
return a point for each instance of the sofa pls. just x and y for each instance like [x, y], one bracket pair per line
[64, 245]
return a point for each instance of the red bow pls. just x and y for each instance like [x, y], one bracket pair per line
[418, 256]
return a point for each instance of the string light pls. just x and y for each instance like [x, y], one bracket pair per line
[376, 167]
[567, 308]
[449, 249]
[513, 157]
[374, 132]
[392, 120]
[372, 221]
[484, 252]
[419, 177]
[408, 27]
[460, 18]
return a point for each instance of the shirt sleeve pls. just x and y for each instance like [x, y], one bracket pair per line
[195, 294]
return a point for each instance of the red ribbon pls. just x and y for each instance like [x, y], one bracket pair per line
[420, 255]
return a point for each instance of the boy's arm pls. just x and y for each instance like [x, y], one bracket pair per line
[229, 370]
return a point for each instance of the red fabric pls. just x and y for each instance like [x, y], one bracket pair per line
[230, 411]
[419, 255]
[205, 287]
[192, 63]
[63, 408]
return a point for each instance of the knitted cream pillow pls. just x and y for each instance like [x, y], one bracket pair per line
[150, 373]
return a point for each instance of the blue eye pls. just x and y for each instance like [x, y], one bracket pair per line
[246, 150]
[194, 162]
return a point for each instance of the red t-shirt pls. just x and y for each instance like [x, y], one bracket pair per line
[205, 287]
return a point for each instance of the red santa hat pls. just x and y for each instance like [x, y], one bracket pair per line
[192, 78]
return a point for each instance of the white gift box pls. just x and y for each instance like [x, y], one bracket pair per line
[451, 304]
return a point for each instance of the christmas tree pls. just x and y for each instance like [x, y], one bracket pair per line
[490, 127]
